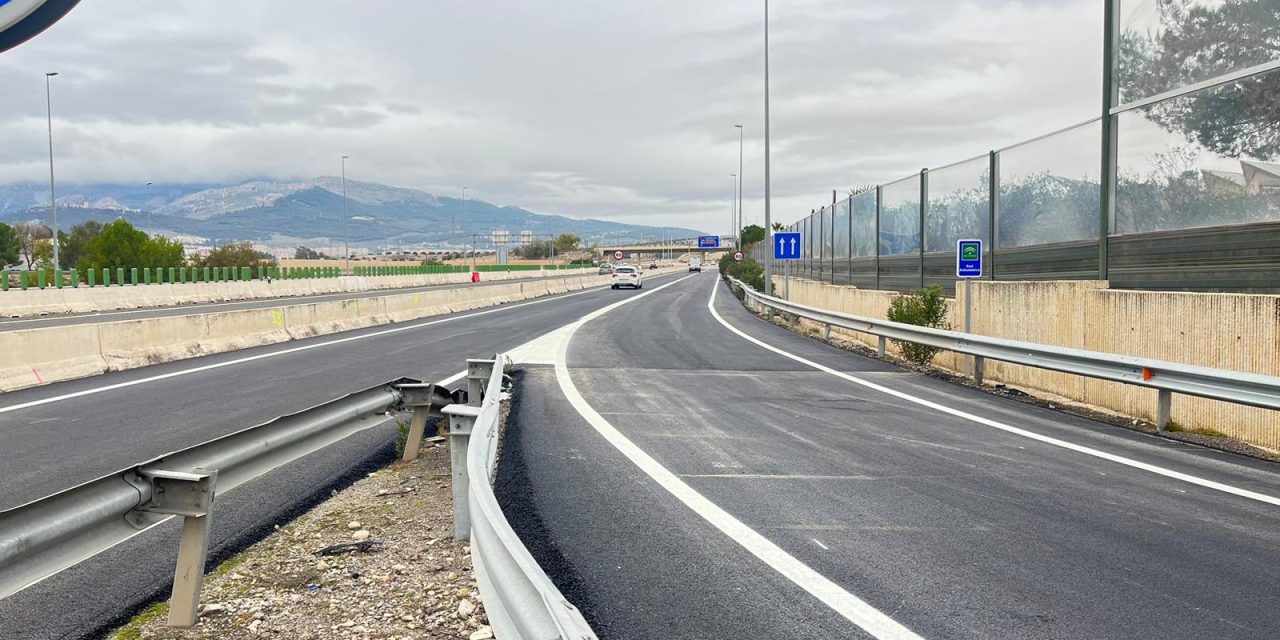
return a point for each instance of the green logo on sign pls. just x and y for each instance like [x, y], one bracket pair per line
[970, 252]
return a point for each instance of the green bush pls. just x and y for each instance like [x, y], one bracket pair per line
[748, 271]
[923, 308]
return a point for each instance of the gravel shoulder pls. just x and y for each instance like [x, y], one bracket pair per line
[417, 583]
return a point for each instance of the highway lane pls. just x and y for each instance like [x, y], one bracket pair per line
[95, 317]
[934, 520]
[59, 435]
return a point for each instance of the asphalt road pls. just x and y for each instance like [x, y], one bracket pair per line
[13, 324]
[59, 435]
[724, 490]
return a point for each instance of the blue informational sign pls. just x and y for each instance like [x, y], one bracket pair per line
[708, 242]
[786, 246]
[968, 258]
[21, 20]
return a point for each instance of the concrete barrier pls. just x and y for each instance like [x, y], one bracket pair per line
[52, 354]
[37, 302]
[38, 356]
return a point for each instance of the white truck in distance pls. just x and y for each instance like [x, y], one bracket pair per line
[695, 264]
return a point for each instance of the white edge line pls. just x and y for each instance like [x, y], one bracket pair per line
[829, 593]
[1089, 451]
[262, 356]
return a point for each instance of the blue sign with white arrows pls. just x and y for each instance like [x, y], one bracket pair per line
[786, 246]
[708, 242]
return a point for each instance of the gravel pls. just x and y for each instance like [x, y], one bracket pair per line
[417, 583]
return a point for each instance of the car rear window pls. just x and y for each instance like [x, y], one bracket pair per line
[626, 270]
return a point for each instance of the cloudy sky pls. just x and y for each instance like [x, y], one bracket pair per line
[618, 110]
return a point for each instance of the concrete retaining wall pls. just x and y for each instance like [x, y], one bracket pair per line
[37, 356]
[1226, 331]
[37, 302]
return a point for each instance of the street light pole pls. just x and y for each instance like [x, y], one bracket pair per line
[733, 204]
[149, 227]
[346, 237]
[739, 222]
[768, 220]
[53, 192]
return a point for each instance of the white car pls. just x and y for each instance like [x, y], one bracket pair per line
[627, 276]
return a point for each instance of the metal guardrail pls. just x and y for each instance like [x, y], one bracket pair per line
[519, 598]
[46, 536]
[1166, 377]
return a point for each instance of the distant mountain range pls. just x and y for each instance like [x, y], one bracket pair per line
[307, 212]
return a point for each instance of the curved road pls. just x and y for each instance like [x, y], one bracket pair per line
[686, 470]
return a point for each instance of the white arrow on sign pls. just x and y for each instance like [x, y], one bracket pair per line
[793, 245]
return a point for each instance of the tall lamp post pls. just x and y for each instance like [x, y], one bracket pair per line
[733, 204]
[739, 223]
[768, 220]
[53, 193]
[346, 238]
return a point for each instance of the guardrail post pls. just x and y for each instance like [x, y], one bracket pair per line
[462, 420]
[826, 331]
[979, 368]
[478, 372]
[1164, 407]
[883, 344]
[190, 495]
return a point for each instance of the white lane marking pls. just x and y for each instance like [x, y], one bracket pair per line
[452, 379]
[819, 543]
[229, 363]
[1089, 451]
[829, 593]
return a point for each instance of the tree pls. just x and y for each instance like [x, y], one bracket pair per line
[29, 235]
[42, 255]
[779, 227]
[924, 308]
[567, 242]
[305, 253]
[10, 248]
[120, 245]
[236, 254]
[752, 234]
[1197, 41]
[71, 245]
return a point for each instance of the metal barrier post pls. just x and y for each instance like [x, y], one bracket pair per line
[1164, 407]
[462, 420]
[883, 344]
[826, 331]
[190, 495]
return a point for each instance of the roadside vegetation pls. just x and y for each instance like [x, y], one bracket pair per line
[923, 308]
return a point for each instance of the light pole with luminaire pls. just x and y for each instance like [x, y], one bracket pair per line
[53, 193]
[346, 238]
[149, 227]
[739, 222]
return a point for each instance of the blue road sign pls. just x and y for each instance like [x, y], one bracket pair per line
[21, 20]
[968, 258]
[708, 242]
[786, 246]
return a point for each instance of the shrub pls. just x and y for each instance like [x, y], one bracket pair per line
[748, 271]
[923, 308]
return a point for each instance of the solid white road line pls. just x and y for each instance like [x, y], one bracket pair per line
[273, 354]
[1089, 451]
[829, 593]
